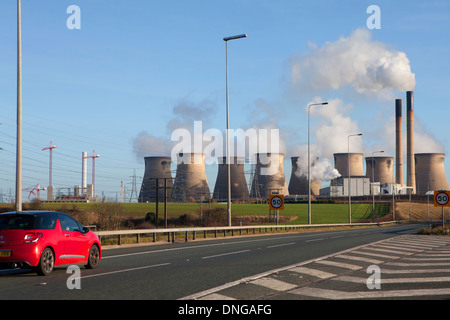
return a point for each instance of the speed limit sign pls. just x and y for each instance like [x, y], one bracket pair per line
[442, 198]
[276, 202]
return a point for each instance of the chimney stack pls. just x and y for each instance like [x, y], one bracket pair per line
[398, 142]
[411, 171]
[84, 173]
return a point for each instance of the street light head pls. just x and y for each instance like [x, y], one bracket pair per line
[235, 37]
[324, 103]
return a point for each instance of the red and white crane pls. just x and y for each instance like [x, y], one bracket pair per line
[51, 147]
[36, 188]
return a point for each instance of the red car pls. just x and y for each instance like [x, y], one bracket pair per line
[42, 240]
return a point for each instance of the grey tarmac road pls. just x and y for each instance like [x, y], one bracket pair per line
[179, 270]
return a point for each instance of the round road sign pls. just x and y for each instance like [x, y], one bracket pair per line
[441, 198]
[277, 202]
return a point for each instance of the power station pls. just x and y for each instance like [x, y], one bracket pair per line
[425, 172]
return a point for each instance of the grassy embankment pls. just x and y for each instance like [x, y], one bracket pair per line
[248, 213]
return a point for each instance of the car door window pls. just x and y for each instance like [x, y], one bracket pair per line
[68, 223]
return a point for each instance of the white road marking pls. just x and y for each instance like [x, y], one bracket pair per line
[123, 270]
[281, 245]
[313, 272]
[336, 295]
[274, 284]
[225, 254]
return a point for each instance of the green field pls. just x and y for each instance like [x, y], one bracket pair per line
[298, 212]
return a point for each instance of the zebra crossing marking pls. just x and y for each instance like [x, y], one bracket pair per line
[413, 255]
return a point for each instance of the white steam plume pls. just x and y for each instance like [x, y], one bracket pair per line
[356, 61]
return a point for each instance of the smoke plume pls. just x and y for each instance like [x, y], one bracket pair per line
[356, 61]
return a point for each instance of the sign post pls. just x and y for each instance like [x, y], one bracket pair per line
[442, 199]
[276, 202]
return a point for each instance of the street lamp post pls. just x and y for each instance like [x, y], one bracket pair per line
[373, 181]
[226, 39]
[19, 113]
[349, 185]
[309, 160]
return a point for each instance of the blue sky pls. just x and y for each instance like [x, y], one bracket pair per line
[133, 62]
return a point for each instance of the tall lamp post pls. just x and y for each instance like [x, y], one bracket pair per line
[226, 39]
[349, 186]
[19, 113]
[309, 160]
[373, 181]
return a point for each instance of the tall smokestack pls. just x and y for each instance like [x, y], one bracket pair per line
[411, 170]
[84, 173]
[398, 142]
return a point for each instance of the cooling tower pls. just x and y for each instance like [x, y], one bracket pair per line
[430, 172]
[156, 167]
[269, 176]
[411, 171]
[191, 183]
[398, 142]
[356, 164]
[383, 169]
[298, 184]
[239, 191]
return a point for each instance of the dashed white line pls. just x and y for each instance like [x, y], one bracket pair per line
[225, 254]
[281, 245]
[124, 270]
[312, 240]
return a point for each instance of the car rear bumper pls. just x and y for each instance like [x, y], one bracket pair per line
[21, 255]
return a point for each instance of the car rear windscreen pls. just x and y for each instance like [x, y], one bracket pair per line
[27, 222]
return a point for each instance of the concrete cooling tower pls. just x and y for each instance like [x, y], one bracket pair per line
[269, 176]
[356, 164]
[298, 185]
[191, 183]
[430, 172]
[156, 167]
[239, 190]
[383, 169]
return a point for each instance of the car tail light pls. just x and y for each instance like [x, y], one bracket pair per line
[32, 237]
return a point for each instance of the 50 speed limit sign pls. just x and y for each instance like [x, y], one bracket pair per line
[276, 202]
[442, 198]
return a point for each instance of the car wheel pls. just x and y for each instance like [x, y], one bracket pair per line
[94, 257]
[46, 263]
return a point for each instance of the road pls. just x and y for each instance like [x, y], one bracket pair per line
[180, 270]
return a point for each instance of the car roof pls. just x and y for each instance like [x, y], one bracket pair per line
[31, 212]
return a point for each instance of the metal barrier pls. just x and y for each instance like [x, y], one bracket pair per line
[171, 232]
